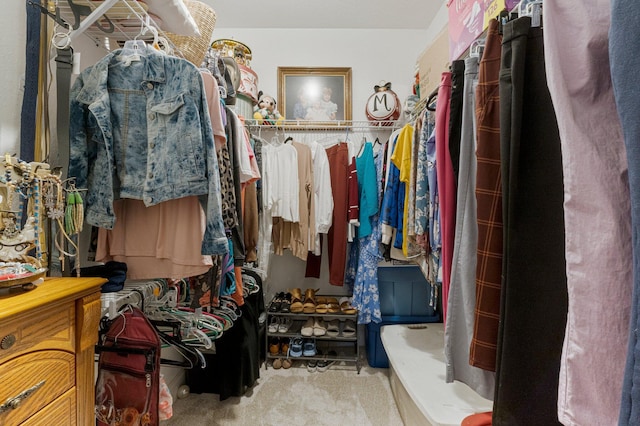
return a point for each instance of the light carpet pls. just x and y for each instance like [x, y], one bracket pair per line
[298, 397]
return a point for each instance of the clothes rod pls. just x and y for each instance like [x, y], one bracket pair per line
[338, 125]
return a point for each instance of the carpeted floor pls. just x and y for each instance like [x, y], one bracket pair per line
[297, 397]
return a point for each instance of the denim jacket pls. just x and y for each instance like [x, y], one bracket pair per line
[142, 131]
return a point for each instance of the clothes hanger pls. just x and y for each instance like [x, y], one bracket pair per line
[476, 49]
[432, 98]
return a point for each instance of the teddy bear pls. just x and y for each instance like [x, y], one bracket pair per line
[266, 112]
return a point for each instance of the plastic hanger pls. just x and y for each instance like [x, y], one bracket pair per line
[477, 48]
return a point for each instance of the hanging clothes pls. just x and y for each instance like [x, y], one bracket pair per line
[215, 111]
[234, 137]
[119, 154]
[297, 235]
[401, 158]
[323, 194]
[489, 199]
[367, 189]
[455, 108]
[446, 186]
[462, 293]
[366, 298]
[161, 241]
[622, 42]
[534, 286]
[596, 197]
[392, 203]
[338, 156]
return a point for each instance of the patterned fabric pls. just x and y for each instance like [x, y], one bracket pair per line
[127, 139]
[227, 189]
[435, 269]
[489, 198]
[422, 187]
[365, 291]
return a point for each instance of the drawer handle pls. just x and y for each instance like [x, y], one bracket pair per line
[7, 341]
[13, 403]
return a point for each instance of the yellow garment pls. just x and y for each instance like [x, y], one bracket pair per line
[401, 158]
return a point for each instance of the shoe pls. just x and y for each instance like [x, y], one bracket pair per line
[284, 347]
[311, 365]
[346, 307]
[296, 306]
[274, 346]
[307, 327]
[324, 364]
[295, 347]
[277, 363]
[319, 328]
[285, 325]
[276, 303]
[333, 307]
[333, 329]
[309, 306]
[321, 305]
[349, 329]
[309, 348]
[286, 363]
[285, 306]
[274, 322]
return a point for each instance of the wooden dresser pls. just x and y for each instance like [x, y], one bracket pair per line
[47, 339]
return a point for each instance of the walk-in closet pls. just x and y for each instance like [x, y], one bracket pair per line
[364, 213]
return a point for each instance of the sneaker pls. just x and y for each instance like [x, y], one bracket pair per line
[324, 364]
[285, 325]
[274, 323]
[311, 365]
[295, 347]
[309, 347]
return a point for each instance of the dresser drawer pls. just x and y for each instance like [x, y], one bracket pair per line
[62, 411]
[48, 328]
[33, 381]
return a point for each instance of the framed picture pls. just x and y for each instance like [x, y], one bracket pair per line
[314, 94]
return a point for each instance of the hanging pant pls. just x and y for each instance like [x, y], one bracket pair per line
[455, 120]
[534, 286]
[489, 199]
[338, 156]
[462, 291]
[596, 211]
[446, 185]
[625, 63]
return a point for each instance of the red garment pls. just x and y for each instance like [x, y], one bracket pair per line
[479, 419]
[446, 185]
[338, 156]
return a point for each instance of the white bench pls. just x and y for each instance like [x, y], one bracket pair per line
[417, 375]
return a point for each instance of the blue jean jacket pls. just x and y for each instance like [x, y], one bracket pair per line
[142, 131]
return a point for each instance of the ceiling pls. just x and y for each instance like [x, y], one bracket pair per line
[360, 14]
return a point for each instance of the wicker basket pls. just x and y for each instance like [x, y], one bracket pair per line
[194, 48]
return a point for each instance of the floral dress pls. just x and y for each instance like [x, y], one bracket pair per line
[365, 290]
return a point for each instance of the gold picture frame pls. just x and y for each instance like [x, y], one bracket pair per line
[315, 94]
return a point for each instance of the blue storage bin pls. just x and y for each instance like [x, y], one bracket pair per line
[404, 291]
[376, 355]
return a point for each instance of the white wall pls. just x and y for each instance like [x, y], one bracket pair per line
[373, 55]
[12, 45]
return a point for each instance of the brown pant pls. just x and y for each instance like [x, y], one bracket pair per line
[337, 236]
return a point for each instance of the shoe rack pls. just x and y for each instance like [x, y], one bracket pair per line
[342, 347]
